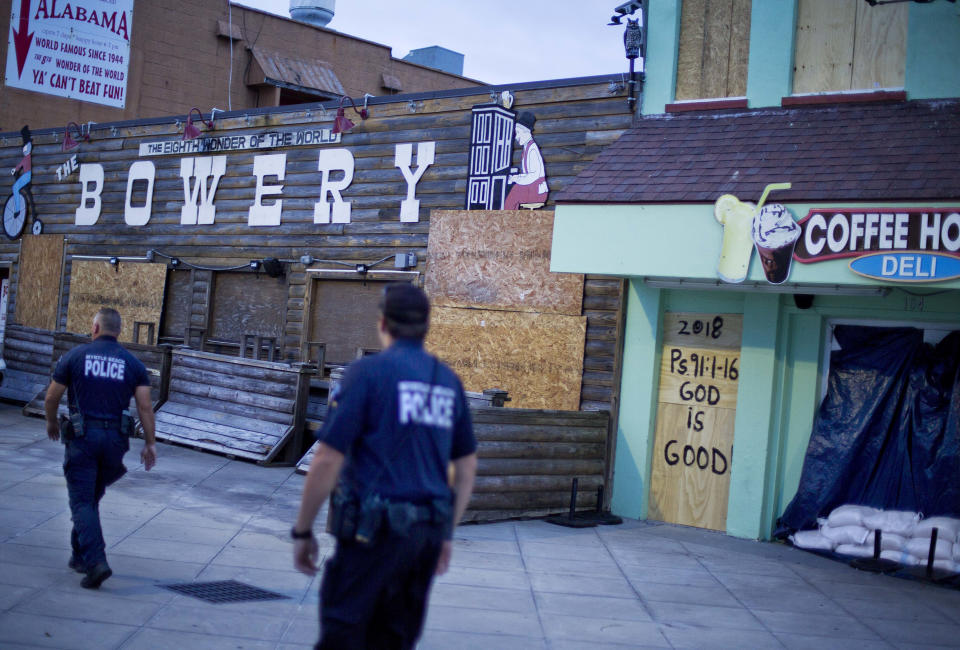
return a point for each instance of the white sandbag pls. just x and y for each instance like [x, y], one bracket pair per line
[901, 557]
[946, 565]
[850, 515]
[855, 550]
[845, 534]
[920, 546]
[893, 521]
[947, 528]
[890, 542]
[813, 540]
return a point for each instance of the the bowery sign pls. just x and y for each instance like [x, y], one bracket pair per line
[201, 177]
[914, 244]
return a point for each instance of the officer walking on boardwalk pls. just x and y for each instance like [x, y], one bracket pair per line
[398, 420]
[101, 377]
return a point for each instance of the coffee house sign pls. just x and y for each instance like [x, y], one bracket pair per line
[912, 245]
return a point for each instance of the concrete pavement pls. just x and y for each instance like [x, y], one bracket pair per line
[525, 585]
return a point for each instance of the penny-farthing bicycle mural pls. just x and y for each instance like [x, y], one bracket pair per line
[18, 206]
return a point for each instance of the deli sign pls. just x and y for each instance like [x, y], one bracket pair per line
[908, 245]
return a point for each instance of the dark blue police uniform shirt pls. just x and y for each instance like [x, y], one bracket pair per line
[101, 377]
[399, 417]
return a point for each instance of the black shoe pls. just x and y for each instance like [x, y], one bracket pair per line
[95, 576]
[77, 564]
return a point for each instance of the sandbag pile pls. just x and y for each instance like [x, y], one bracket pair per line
[905, 536]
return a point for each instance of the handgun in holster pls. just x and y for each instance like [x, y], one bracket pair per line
[126, 424]
[71, 427]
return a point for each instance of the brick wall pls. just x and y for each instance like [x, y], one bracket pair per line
[177, 61]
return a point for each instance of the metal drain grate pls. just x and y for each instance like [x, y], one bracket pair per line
[224, 591]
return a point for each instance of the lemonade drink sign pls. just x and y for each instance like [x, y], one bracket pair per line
[746, 225]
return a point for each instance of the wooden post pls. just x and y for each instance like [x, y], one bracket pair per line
[296, 447]
[166, 351]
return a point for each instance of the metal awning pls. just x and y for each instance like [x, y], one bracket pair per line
[311, 76]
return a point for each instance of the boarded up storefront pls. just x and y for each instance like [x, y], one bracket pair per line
[272, 237]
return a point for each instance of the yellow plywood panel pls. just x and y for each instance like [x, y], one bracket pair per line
[135, 290]
[823, 54]
[715, 65]
[880, 50]
[690, 472]
[699, 376]
[498, 260]
[739, 48]
[38, 284]
[693, 16]
[537, 358]
[702, 330]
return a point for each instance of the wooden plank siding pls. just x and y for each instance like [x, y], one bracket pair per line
[528, 459]
[155, 358]
[575, 121]
[242, 408]
[26, 351]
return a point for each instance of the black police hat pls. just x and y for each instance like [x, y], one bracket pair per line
[404, 303]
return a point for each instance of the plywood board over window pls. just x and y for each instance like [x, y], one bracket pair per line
[133, 289]
[849, 45]
[247, 303]
[38, 291]
[343, 316]
[176, 304]
[498, 260]
[714, 49]
[696, 410]
[537, 358]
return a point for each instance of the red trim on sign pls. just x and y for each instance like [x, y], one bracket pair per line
[708, 105]
[845, 98]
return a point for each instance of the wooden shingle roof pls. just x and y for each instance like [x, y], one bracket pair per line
[855, 152]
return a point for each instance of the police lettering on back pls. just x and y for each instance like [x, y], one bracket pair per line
[101, 367]
[422, 403]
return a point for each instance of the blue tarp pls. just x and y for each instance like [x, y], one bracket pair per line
[887, 434]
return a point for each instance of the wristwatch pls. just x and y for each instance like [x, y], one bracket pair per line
[307, 534]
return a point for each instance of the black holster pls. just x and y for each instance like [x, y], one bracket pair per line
[71, 427]
[126, 424]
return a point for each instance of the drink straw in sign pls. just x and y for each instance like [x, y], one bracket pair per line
[767, 190]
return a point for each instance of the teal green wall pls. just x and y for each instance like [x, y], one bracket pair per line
[638, 390]
[933, 51]
[781, 350]
[752, 424]
[681, 240]
[770, 66]
[660, 62]
[781, 356]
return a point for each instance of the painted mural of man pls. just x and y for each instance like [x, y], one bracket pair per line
[529, 187]
[26, 166]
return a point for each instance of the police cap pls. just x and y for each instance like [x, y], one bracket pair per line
[404, 303]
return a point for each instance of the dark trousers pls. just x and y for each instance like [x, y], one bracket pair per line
[90, 464]
[375, 597]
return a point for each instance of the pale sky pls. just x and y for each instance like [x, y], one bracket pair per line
[503, 41]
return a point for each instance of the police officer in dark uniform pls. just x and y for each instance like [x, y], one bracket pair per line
[397, 421]
[101, 377]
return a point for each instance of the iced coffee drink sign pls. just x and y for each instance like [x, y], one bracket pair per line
[699, 372]
[770, 229]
